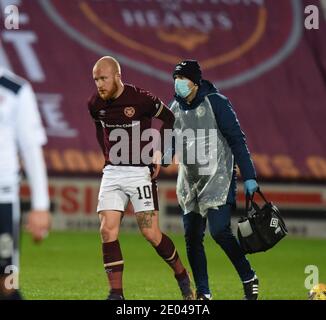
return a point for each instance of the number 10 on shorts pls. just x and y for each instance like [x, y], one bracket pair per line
[144, 192]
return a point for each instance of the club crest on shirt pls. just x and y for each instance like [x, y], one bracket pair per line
[129, 111]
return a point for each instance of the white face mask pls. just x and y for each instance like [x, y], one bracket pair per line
[181, 87]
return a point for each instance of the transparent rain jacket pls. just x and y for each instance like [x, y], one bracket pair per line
[201, 185]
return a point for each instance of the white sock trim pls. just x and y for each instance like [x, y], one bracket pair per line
[252, 279]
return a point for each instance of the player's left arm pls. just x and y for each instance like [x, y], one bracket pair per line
[157, 109]
[166, 116]
[31, 137]
[167, 137]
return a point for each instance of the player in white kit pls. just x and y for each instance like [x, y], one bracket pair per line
[21, 133]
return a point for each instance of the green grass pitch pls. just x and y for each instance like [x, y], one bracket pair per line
[68, 265]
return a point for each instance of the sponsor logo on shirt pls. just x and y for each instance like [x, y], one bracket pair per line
[123, 125]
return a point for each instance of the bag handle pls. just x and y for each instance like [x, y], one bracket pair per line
[261, 194]
[250, 200]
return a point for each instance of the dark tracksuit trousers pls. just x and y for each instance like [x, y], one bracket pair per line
[219, 222]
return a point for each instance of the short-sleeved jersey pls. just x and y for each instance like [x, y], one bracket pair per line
[20, 128]
[121, 123]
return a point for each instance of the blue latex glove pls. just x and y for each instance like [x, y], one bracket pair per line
[250, 186]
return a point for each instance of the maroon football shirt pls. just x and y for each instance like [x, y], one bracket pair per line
[120, 124]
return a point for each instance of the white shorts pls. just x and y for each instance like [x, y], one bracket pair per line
[123, 183]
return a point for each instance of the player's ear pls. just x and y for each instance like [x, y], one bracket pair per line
[118, 76]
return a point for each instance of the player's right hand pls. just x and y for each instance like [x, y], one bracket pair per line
[38, 224]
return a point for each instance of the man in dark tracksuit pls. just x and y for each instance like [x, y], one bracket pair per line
[211, 195]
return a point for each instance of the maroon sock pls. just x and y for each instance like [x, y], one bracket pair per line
[182, 276]
[168, 252]
[113, 265]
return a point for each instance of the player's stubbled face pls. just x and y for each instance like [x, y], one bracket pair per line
[105, 82]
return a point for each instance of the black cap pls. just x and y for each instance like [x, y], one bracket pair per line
[189, 69]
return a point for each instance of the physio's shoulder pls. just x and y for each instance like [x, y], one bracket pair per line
[218, 98]
[219, 102]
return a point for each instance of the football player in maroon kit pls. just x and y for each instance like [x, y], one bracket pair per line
[120, 109]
